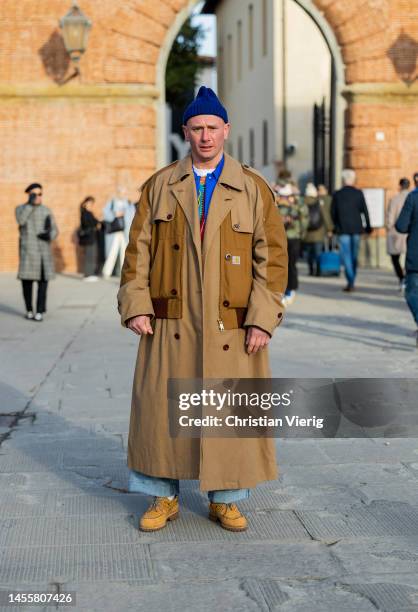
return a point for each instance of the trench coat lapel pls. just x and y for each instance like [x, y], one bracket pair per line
[183, 187]
[229, 184]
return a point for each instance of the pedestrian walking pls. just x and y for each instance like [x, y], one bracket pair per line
[396, 242]
[324, 194]
[88, 236]
[201, 283]
[296, 219]
[318, 227]
[351, 219]
[37, 228]
[115, 230]
[407, 223]
[325, 200]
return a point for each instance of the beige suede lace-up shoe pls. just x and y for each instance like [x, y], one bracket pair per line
[228, 516]
[160, 511]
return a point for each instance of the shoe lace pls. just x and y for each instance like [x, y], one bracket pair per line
[230, 505]
[158, 501]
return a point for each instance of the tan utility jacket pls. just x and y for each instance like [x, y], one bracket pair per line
[253, 270]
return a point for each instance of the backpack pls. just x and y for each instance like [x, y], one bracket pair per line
[316, 220]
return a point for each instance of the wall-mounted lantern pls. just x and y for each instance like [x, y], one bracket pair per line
[75, 28]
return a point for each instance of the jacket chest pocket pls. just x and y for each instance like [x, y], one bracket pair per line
[242, 226]
[167, 246]
[236, 258]
[165, 220]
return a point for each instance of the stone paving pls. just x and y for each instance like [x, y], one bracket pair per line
[337, 532]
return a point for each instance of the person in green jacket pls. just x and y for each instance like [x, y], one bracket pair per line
[295, 218]
[319, 225]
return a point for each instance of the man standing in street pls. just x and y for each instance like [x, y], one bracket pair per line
[348, 212]
[202, 281]
[37, 228]
[407, 223]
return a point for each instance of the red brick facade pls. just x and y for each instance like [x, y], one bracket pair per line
[89, 135]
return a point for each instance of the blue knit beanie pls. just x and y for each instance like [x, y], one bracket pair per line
[205, 103]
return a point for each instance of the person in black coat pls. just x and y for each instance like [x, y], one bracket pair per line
[89, 238]
[407, 223]
[349, 212]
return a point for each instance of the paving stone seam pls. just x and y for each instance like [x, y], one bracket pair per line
[174, 543]
[347, 588]
[21, 413]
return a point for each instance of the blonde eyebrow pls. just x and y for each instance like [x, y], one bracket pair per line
[195, 127]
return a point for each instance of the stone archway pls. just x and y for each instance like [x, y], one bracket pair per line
[338, 84]
[373, 50]
[90, 134]
[327, 32]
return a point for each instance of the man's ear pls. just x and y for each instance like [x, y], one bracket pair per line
[186, 133]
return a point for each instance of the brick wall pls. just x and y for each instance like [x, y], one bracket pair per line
[73, 149]
[382, 163]
[76, 139]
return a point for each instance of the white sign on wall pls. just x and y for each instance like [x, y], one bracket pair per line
[375, 200]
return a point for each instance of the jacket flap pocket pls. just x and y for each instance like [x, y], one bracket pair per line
[164, 210]
[242, 219]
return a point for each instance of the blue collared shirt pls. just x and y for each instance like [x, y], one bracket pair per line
[211, 180]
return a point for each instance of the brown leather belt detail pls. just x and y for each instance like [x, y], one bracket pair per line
[161, 311]
[241, 314]
[160, 307]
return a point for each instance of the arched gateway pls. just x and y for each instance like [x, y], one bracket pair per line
[90, 134]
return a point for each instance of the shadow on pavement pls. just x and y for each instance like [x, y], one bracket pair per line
[321, 327]
[327, 291]
[46, 452]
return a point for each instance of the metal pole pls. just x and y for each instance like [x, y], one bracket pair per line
[315, 144]
[323, 141]
[332, 126]
[284, 84]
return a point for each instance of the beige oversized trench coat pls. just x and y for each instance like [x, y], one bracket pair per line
[395, 242]
[187, 340]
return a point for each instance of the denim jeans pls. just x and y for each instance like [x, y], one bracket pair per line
[349, 246]
[313, 251]
[411, 294]
[164, 487]
[293, 251]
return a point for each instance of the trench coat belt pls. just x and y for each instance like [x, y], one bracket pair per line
[160, 306]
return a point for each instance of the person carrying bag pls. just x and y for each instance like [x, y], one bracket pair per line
[118, 223]
[88, 238]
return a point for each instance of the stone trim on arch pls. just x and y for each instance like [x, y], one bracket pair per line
[371, 41]
[378, 38]
[103, 128]
[370, 34]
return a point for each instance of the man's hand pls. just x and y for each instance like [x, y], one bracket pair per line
[140, 325]
[256, 339]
